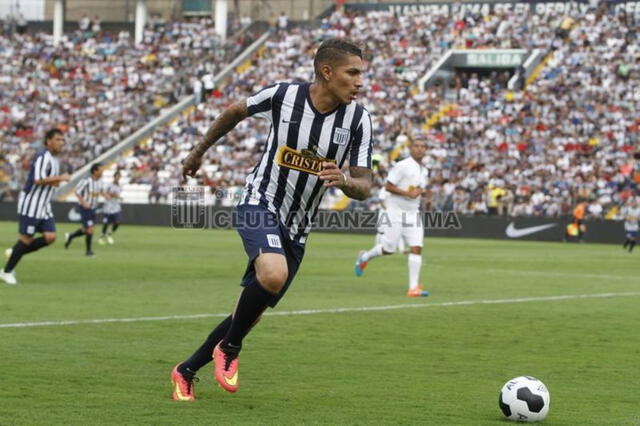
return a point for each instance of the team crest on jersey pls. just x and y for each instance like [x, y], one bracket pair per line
[341, 136]
[306, 160]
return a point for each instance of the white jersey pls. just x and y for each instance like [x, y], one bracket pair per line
[631, 216]
[112, 204]
[406, 175]
[383, 195]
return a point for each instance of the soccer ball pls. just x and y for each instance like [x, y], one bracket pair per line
[525, 399]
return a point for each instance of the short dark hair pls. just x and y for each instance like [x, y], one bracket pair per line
[95, 166]
[334, 50]
[51, 133]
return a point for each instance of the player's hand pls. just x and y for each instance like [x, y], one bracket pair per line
[332, 175]
[414, 193]
[65, 177]
[85, 205]
[191, 164]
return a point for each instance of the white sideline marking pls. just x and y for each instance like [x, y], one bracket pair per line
[330, 311]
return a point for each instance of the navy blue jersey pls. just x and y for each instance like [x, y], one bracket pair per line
[35, 200]
[285, 179]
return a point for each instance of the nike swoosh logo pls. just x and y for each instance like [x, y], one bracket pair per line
[231, 381]
[512, 232]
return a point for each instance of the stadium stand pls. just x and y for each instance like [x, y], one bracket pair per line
[98, 87]
[494, 151]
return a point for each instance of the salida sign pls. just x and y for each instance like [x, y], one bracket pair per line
[494, 60]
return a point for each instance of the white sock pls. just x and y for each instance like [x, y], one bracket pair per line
[415, 262]
[401, 245]
[374, 252]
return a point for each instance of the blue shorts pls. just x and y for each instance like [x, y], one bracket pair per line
[29, 225]
[111, 218]
[262, 232]
[88, 217]
[631, 234]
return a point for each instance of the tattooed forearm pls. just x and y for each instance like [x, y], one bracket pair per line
[358, 185]
[222, 125]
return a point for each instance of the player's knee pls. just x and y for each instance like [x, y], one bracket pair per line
[388, 248]
[50, 238]
[416, 250]
[26, 240]
[273, 279]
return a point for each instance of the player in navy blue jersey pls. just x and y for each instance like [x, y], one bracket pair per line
[89, 190]
[316, 130]
[34, 204]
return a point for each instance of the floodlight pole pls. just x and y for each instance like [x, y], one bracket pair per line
[221, 18]
[58, 21]
[141, 20]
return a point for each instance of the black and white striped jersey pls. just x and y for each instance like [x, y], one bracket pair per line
[112, 204]
[285, 179]
[35, 200]
[90, 190]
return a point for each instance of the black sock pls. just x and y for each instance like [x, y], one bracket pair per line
[253, 301]
[87, 240]
[631, 244]
[35, 245]
[626, 243]
[204, 354]
[18, 250]
[114, 227]
[104, 228]
[78, 233]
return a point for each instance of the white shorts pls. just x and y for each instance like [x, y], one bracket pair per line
[397, 225]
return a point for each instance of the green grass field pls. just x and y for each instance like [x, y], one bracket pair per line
[440, 363]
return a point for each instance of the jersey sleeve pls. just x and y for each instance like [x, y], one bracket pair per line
[360, 155]
[81, 185]
[260, 104]
[395, 175]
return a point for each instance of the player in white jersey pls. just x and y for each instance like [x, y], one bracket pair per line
[34, 204]
[316, 128]
[111, 210]
[631, 215]
[406, 183]
[383, 225]
[89, 190]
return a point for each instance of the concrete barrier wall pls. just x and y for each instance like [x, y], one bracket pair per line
[449, 224]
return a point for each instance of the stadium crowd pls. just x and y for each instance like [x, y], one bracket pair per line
[568, 137]
[97, 86]
[496, 151]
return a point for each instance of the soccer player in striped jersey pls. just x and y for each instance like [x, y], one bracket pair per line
[631, 215]
[88, 192]
[111, 210]
[316, 129]
[34, 204]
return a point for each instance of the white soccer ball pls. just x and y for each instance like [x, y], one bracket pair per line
[525, 399]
